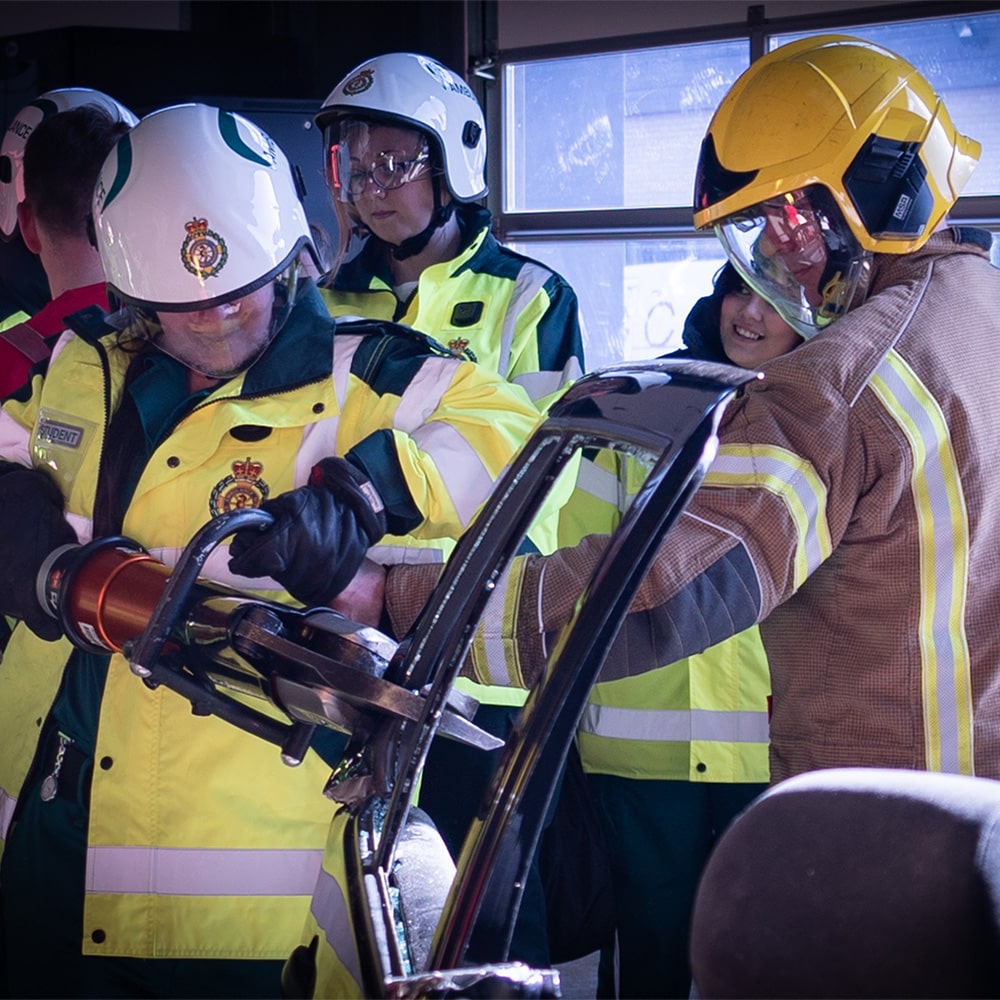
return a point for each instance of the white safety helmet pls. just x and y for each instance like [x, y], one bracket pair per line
[196, 206]
[415, 91]
[24, 123]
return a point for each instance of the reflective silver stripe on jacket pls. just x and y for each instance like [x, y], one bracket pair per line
[329, 910]
[596, 481]
[7, 805]
[675, 725]
[529, 282]
[494, 651]
[538, 385]
[163, 871]
[490, 645]
[15, 441]
[789, 477]
[943, 518]
[464, 473]
[392, 555]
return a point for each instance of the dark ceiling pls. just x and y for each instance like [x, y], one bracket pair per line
[272, 61]
[282, 49]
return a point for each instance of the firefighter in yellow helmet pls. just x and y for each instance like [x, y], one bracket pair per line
[823, 153]
[850, 509]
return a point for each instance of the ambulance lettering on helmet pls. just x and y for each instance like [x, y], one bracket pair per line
[20, 129]
[447, 79]
[100, 193]
[24, 124]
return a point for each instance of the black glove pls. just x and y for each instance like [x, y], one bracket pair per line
[319, 536]
[31, 526]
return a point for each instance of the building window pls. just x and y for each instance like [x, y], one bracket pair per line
[611, 131]
[599, 156]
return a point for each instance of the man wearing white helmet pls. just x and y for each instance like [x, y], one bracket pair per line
[12, 152]
[149, 851]
[63, 137]
[62, 157]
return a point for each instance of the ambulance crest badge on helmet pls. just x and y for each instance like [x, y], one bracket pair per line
[203, 251]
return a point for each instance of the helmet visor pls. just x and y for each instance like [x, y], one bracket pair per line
[797, 252]
[220, 341]
[363, 153]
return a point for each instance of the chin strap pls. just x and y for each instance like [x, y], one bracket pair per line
[412, 245]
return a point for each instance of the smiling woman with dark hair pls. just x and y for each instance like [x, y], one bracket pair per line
[735, 325]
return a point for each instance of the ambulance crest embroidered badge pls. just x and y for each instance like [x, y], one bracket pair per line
[460, 348]
[243, 489]
[360, 83]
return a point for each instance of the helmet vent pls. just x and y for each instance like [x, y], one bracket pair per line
[471, 133]
[713, 182]
[904, 163]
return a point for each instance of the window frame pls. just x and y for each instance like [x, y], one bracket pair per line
[664, 223]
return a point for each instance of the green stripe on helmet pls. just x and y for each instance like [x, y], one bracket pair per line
[231, 137]
[124, 153]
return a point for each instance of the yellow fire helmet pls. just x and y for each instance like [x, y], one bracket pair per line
[823, 152]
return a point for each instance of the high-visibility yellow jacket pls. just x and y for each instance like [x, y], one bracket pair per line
[201, 842]
[507, 312]
[703, 718]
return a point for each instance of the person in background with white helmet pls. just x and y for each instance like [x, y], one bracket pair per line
[850, 510]
[405, 145]
[12, 152]
[149, 851]
[405, 142]
[50, 198]
[61, 161]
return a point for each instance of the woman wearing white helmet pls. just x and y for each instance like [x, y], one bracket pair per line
[149, 851]
[405, 145]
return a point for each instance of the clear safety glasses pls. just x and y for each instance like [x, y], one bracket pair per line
[386, 170]
[797, 251]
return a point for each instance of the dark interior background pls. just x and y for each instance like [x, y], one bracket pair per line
[271, 60]
[284, 49]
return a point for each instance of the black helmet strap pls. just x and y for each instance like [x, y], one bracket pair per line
[412, 245]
